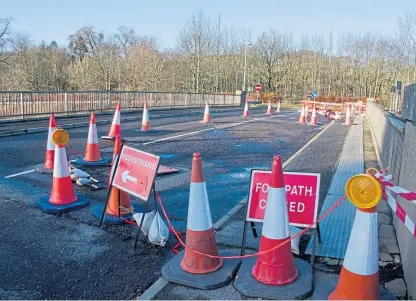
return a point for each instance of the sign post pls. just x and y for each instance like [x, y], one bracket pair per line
[302, 196]
[258, 89]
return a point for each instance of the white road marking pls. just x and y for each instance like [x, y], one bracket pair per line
[205, 130]
[20, 173]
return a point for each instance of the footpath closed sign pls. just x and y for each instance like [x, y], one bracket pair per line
[135, 172]
[302, 196]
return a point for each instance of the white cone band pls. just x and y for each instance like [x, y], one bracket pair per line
[302, 111]
[116, 119]
[361, 257]
[206, 109]
[60, 167]
[199, 212]
[50, 145]
[313, 113]
[276, 220]
[92, 134]
[145, 116]
[246, 107]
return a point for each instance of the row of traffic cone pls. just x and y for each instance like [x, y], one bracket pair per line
[304, 114]
[275, 274]
[92, 154]
[268, 112]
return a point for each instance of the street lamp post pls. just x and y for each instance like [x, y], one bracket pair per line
[245, 65]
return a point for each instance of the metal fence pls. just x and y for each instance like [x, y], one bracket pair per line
[37, 103]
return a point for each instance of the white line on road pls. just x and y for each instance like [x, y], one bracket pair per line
[20, 173]
[205, 130]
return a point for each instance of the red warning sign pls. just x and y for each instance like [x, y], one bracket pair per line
[302, 196]
[135, 172]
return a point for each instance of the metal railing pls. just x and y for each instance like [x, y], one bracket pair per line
[37, 103]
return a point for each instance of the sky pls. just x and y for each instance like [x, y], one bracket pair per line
[162, 19]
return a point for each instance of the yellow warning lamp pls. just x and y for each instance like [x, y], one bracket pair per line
[363, 190]
[60, 137]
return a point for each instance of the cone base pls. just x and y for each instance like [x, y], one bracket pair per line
[325, 288]
[45, 171]
[202, 121]
[48, 207]
[301, 288]
[112, 138]
[147, 131]
[110, 219]
[102, 162]
[173, 272]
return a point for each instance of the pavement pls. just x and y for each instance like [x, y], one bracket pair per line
[68, 256]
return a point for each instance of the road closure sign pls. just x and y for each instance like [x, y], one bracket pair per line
[302, 196]
[135, 172]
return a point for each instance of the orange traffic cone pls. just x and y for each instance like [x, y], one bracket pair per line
[313, 118]
[50, 146]
[348, 116]
[302, 118]
[119, 207]
[189, 268]
[269, 109]
[207, 116]
[92, 153]
[276, 267]
[246, 113]
[200, 233]
[359, 275]
[278, 107]
[276, 274]
[306, 109]
[63, 197]
[145, 121]
[115, 126]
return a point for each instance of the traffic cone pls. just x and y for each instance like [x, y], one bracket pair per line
[50, 146]
[115, 126]
[246, 113]
[200, 233]
[276, 267]
[306, 109]
[92, 155]
[359, 278]
[348, 116]
[313, 118]
[119, 207]
[189, 268]
[207, 116]
[302, 118]
[278, 107]
[275, 274]
[269, 109]
[145, 121]
[62, 198]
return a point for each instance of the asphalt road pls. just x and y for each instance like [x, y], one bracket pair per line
[68, 256]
